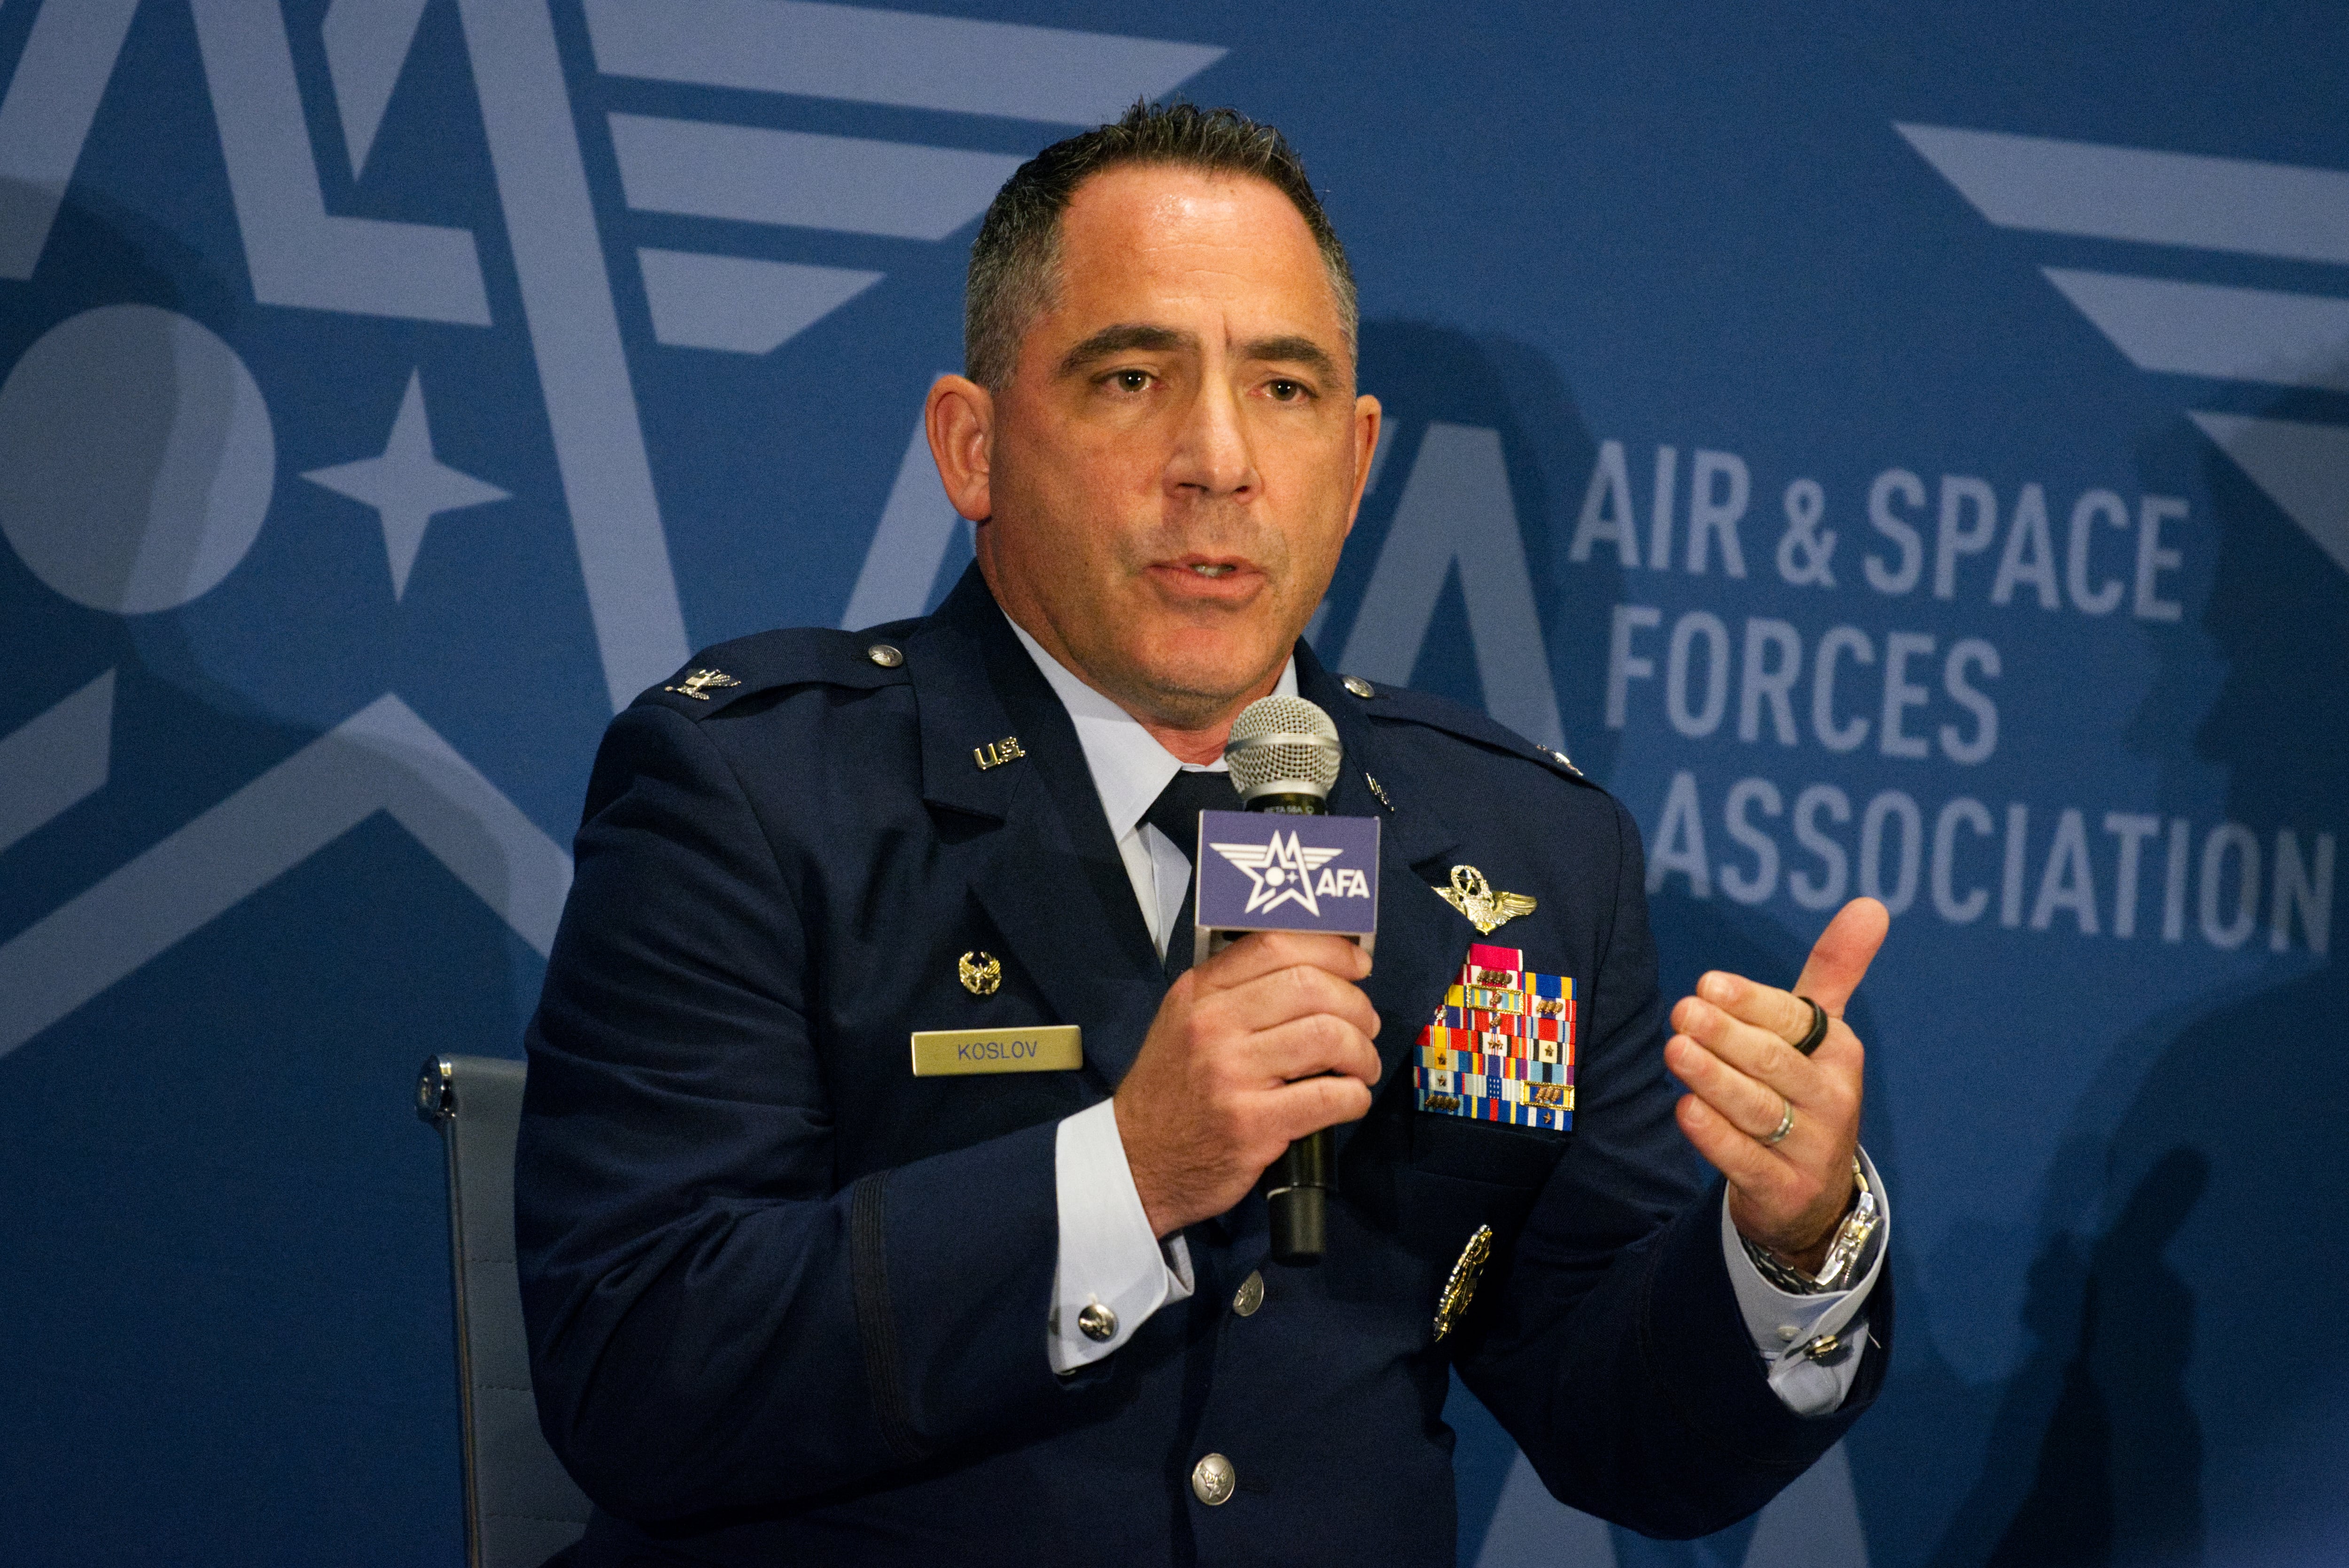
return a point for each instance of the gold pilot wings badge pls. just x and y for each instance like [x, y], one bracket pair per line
[1473, 896]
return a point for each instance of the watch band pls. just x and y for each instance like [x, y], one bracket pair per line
[1851, 1237]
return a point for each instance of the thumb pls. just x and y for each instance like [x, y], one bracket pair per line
[1840, 957]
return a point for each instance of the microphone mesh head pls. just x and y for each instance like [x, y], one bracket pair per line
[1283, 746]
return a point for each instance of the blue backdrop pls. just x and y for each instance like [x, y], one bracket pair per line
[1899, 452]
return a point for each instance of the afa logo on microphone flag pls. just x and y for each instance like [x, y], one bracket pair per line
[1273, 872]
[1501, 1047]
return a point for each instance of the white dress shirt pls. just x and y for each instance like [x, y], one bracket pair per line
[1108, 1255]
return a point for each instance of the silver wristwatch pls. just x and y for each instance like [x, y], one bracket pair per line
[1860, 1223]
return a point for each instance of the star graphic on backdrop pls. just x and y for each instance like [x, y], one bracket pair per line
[408, 486]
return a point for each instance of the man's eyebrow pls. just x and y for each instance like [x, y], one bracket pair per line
[1291, 350]
[1117, 339]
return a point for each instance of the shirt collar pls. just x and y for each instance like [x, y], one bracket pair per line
[1130, 768]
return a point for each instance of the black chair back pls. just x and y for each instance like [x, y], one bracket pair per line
[520, 1508]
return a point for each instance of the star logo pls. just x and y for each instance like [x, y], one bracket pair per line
[408, 486]
[1280, 872]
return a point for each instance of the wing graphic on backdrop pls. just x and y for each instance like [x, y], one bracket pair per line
[2214, 330]
[770, 184]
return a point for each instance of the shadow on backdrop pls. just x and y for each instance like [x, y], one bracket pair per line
[1425, 374]
[224, 1226]
[2118, 1472]
[2211, 1299]
[2249, 1084]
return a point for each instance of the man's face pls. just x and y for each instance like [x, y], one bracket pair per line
[1177, 456]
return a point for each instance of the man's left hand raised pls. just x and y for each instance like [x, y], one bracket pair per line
[1736, 1052]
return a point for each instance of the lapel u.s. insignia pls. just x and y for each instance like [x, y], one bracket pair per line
[996, 753]
[981, 973]
[698, 684]
[1461, 1288]
[1473, 896]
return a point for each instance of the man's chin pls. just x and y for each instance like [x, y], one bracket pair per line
[1194, 690]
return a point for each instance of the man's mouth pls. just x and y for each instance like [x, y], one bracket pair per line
[1209, 566]
[1208, 579]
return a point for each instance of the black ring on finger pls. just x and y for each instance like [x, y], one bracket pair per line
[1818, 1030]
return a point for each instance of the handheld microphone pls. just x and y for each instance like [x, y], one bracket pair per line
[1284, 755]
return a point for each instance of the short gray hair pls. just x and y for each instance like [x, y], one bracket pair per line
[1015, 261]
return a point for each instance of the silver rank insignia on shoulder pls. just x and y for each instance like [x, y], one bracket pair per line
[698, 684]
[1473, 896]
[996, 753]
[1461, 1288]
[981, 973]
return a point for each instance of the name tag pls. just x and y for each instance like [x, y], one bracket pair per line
[1045, 1049]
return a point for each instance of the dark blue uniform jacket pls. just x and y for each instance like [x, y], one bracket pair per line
[787, 1302]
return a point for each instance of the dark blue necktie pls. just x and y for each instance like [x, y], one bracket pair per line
[1175, 813]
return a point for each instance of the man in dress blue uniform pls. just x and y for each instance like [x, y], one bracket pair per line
[796, 1298]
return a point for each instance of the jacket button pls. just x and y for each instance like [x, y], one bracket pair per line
[1212, 1479]
[887, 657]
[1357, 685]
[1249, 1296]
[1098, 1321]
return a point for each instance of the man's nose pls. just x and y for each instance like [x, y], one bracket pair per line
[1212, 455]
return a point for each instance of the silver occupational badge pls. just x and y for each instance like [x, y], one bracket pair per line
[1473, 896]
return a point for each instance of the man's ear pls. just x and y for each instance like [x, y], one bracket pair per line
[1367, 416]
[959, 416]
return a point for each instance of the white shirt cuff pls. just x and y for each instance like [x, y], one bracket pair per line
[1108, 1256]
[1784, 1327]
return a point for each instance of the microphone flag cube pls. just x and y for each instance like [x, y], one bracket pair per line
[1274, 871]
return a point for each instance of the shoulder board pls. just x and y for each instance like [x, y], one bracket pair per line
[718, 676]
[1401, 704]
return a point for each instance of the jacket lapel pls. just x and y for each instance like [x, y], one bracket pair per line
[1043, 865]
[1422, 941]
